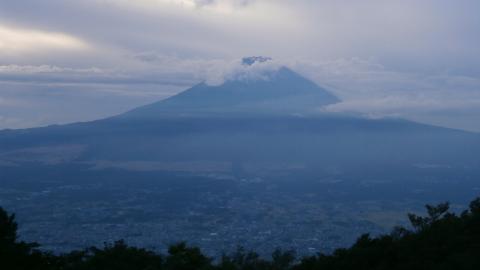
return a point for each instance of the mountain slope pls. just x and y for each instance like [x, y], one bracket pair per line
[314, 142]
[271, 121]
[280, 91]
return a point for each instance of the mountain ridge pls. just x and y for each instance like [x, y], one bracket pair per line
[274, 119]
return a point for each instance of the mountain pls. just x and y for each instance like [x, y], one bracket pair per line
[253, 161]
[277, 91]
[269, 121]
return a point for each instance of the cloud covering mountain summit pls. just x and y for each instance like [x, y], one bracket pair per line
[246, 69]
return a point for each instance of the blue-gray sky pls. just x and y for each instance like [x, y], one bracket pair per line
[63, 60]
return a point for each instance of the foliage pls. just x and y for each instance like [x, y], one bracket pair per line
[439, 240]
[16, 254]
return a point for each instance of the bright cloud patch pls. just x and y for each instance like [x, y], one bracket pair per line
[14, 40]
[218, 6]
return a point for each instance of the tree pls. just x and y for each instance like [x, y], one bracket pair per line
[8, 229]
[282, 260]
[116, 256]
[15, 255]
[434, 214]
[182, 257]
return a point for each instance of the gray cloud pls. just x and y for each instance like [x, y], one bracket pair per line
[371, 89]
[234, 3]
[54, 74]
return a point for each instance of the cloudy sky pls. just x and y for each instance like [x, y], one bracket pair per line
[67, 60]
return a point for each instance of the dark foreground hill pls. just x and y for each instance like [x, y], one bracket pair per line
[440, 240]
